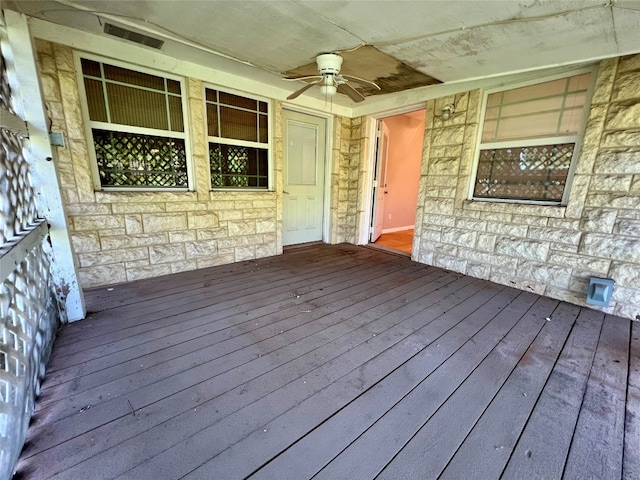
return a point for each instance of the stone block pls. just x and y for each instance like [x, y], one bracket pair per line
[164, 222]
[507, 229]
[98, 222]
[442, 206]
[490, 259]
[627, 227]
[635, 184]
[628, 63]
[594, 265]
[202, 220]
[265, 226]
[623, 116]
[85, 242]
[618, 161]
[604, 81]
[450, 263]
[81, 209]
[544, 273]
[203, 248]
[529, 220]
[266, 250]
[100, 275]
[458, 236]
[147, 272]
[626, 86]
[431, 235]
[448, 136]
[486, 242]
[611, 183]
[265, 213]
[440, 220]
[629, 201]
[555, 235]
[444, 166]
[112, 256]
[133, 224]
[245, 253]
[138, 207]
[115, 242]
[182, 236]
[621, 139]
[187, 206]
[167, 253]
[237, 228]
[614, 247]
[185, 266]
[625, 273]
[627, 311]
[520, 248]
[478, 271]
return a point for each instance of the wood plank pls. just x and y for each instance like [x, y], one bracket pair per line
[598, 441]
[542, 448]
[226, 419]
[488, 446]
[93, 389]
[209, 294]
[354, 414]
[631, 460]
[387, 447]
[98, 346]
[349, 333]
[232, 355]
[198, 325]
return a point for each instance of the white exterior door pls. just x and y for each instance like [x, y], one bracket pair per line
[304, 159]
[379, 183]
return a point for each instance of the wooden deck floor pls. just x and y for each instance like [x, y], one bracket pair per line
[337, 362]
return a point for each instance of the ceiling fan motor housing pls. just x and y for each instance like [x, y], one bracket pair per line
[329, 63]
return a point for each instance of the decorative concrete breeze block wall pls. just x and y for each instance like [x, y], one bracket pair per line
[545, 249]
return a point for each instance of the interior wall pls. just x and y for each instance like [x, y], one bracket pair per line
[406, 133]
[549, 250]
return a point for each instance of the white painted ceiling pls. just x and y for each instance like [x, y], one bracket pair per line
[451, 40]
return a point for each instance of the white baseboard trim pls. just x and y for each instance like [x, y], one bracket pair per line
[397, 229]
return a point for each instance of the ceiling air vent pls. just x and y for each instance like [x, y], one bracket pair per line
[132, 36]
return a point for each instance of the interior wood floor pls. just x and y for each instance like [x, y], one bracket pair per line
[402, 240]
[336, 362]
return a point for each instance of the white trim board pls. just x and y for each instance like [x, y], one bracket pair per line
[398, 229]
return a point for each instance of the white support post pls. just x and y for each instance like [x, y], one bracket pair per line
[25, 86]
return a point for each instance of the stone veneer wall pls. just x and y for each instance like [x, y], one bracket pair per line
[350, 185]
[124, 236]
[545, 249]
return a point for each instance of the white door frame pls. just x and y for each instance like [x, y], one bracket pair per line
[326, 197]
[363, 237]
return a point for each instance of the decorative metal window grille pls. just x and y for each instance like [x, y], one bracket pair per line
[137, 124]
[528, 140]
[524, 173]
[129, 159]
[238, 167]
[238, 130]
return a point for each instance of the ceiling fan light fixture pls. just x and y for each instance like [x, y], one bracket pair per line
[328, 90]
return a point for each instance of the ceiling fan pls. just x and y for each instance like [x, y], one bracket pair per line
[330, 80]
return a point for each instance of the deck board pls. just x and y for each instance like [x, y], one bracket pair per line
[335, 362]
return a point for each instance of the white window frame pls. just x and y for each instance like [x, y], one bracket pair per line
[89, 124]
[241, 143]
[577, 139]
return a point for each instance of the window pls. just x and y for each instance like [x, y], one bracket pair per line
[238, 135]
[137, 125]
[528, 140]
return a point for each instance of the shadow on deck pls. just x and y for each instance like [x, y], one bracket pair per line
[337, 362]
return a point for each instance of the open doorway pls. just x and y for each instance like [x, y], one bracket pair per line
[396, 177]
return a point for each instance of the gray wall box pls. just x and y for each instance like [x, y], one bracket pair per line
[600, 291]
